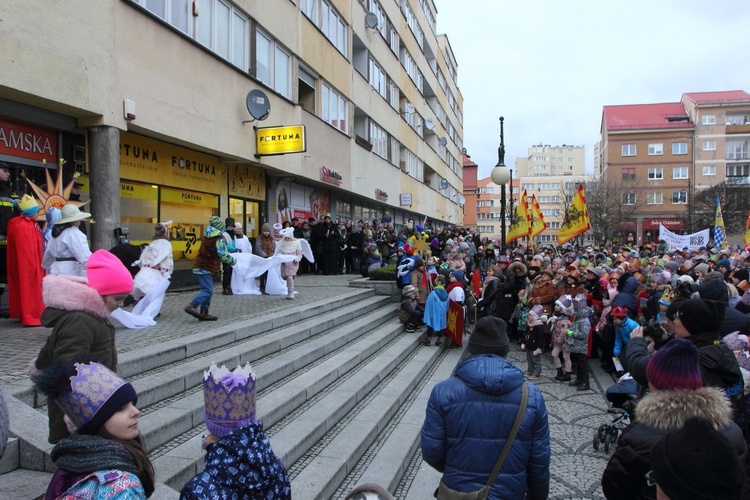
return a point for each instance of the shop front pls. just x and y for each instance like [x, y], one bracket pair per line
[247, 190]
[624, 233]
[162, 182]
[651, 228]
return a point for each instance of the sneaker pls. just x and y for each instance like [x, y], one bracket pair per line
[207, 317]
[426, 341]
[439, 342]
[409, 329]
[227, 291]
[190, 309]
[532, 377]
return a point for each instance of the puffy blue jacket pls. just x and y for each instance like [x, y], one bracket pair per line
[622, 334]
[468, 419]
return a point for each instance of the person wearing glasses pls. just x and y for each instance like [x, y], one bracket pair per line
[676, 394]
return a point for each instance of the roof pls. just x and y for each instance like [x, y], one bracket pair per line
[718, 97]
[467, 161]
[646, 116]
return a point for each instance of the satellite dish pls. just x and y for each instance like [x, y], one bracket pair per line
[258, 104]
[461, 200]
[429, 124]
[444, 184]
[443, 141]
[371, 20]
[463, 151]
[409, 108]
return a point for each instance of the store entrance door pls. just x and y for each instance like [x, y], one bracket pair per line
[248, 213]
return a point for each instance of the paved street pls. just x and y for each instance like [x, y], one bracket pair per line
[576, 468]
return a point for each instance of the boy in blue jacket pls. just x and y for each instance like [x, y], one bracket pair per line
[623, 326]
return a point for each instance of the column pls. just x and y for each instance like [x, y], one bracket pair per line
[104, 170]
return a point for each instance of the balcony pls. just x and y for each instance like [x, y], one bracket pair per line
[738, 129]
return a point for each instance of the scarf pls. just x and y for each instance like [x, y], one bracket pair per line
[83, 454]
[289, 247]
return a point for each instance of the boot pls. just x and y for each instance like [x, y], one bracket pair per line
[559, 376]
[227, 291]
[584, 387]
[207, 317]
[576, 382]
[190, 309]
[426, 340]
[566, 377]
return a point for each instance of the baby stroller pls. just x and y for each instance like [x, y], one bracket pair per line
[622, 395]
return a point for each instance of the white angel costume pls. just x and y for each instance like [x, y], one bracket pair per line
[291, 246]
[249, 266]
[156, 262]
[67, 254]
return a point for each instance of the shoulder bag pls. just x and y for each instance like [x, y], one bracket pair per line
[445, 493]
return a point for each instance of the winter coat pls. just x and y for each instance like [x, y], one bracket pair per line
[734, 320]
[494, 300]
[719, 367]
[468, 420]
[419, 281]
[212, 252]
[559, 331]
[543, 293]
[81, 331]
[622, 334]
[626, 288]
[581, 327]
[436, 309]
[534, 337]
[659, 413]
[240, 466]
[408, 310]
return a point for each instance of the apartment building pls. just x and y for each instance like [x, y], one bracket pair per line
[656, 156]
[262, 111]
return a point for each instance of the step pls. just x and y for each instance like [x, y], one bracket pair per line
[24, 484]
[274, 356]
[11, 459]
[283, 400]
[387, 462]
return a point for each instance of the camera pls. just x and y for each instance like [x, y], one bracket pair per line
[658, 332]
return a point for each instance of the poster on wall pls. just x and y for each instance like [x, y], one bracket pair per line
[293, 200]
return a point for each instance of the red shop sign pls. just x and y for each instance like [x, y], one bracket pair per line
[670, 224]
[25, 141]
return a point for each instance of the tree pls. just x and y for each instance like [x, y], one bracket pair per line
[735, 205]
[608, 206]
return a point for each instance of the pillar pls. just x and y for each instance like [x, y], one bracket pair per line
[104, 172]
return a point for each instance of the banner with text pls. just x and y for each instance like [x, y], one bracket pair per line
[680, 241]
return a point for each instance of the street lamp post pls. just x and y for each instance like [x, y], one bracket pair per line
[501, 175]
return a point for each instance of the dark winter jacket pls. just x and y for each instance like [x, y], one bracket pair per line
[581, 328]
[734, 320]
[468, 419]
[719, 366]
[241, 465]
[659, 413]
[80, 332]
[212, 252]
[625, 297]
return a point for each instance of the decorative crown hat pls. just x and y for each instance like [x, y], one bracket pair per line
[88, 393]
[27, 205]
[229, 398]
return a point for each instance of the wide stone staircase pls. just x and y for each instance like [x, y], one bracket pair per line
[341, 392]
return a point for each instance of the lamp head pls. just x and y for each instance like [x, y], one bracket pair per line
[500, 174]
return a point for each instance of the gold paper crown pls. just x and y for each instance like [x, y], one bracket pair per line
[26, 204]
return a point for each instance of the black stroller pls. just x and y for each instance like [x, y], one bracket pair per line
[622, 395]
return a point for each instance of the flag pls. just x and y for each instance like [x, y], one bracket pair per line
[537, 219]
[455, 322]
[519, 224]
[576, 218]
[720, 239]
[476, 282]
[747, 231]
[424, 223]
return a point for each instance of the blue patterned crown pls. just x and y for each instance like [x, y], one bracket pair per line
[229, 398]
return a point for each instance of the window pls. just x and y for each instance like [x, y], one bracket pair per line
[738, 170]
[709, 145]
[738, 150]
[306, 89]
[411, 68]
[679, 148]
[655, 173]
[528, 187]
[737, 119]
[628, 150]
[628, 174]
[411, 21]
[334, 108]
[679, 173]
[679, 197]
[655, 149]
[325, 17]
[273, 64]
[654, 198]
[377, 77]
[553, 225]
[628, 198]
[708, 120]
[709, 169]
[220, 27]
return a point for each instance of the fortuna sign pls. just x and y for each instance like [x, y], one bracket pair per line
[280, 140]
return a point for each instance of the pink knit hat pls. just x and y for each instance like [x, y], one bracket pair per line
[107, 274]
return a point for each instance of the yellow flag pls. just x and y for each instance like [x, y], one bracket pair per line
[576, 219]
[747, 231]
[537, 219]
[520, 224]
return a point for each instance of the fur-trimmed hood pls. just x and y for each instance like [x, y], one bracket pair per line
[71, 293]
[669, 409]
[517, 268]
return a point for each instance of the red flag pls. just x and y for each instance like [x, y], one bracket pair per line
[476, 282]
[455, 322]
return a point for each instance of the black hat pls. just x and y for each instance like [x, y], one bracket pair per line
[697, 462]
[701, 316]
[489, 337]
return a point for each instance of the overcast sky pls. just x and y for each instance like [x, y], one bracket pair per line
[549, 66]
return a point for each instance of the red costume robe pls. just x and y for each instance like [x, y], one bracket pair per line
[25, 273]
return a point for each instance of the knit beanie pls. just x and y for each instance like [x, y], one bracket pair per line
[702, 268]
[216, 222]
[697, 462]
[566, 305]
[88, 393]
[229, 398]
[107, 274]
[535, 314]
[741, 274]
[675, 366]
[459, 275]
[725, 263]
[489, 337]
[701, 316]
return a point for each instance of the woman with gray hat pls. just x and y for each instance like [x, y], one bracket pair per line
[68, 250]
